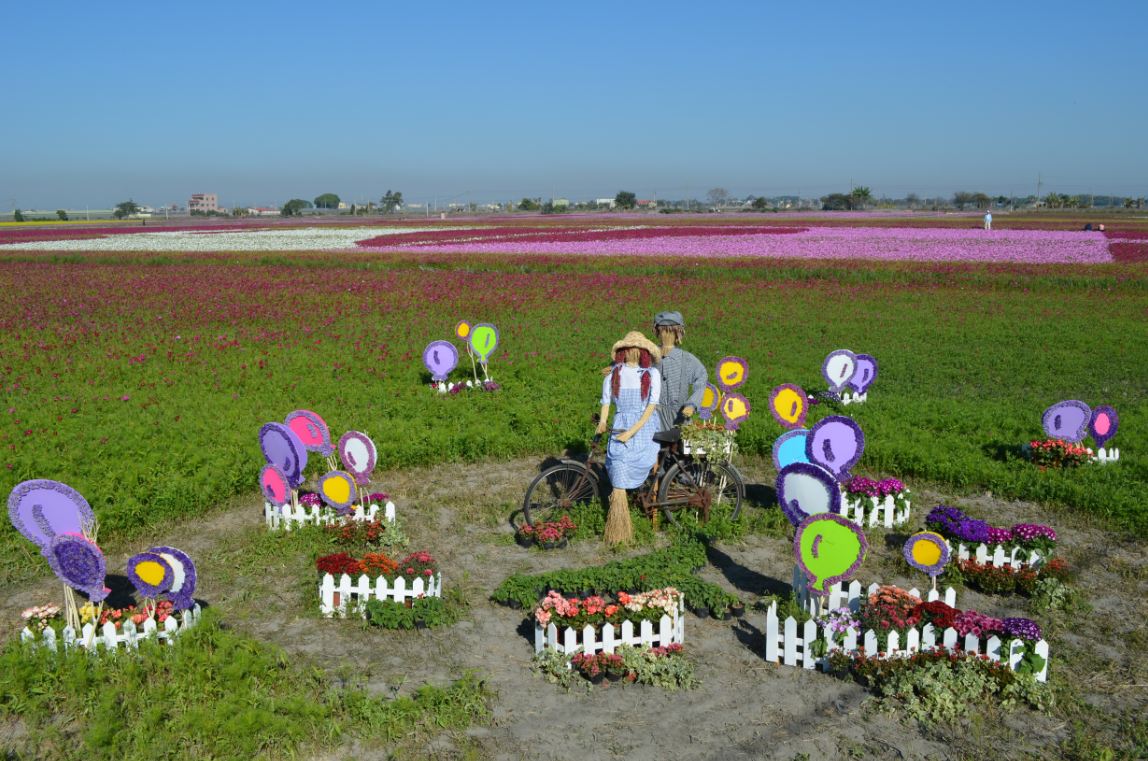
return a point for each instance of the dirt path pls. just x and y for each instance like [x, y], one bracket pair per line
[745, 707]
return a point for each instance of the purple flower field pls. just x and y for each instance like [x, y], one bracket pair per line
[887, 244]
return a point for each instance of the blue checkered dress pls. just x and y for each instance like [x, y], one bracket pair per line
[629, 464]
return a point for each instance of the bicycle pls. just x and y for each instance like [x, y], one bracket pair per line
[679, 483]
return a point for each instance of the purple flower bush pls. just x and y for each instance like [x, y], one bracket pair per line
[954, 525]
[1020, 628]
[867, 487]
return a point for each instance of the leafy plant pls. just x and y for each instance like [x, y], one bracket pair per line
[388, 614]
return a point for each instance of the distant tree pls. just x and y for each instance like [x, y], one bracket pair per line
[391, 202]
[717, 196]
[759, 204]
[294, 207]
[63, 215]
[1054, 200]
[18, 215]
[836, 202]
[860, 197]
[1002, 200]
[529, 204]
[912, 200]
[982, 201]
[625, 200]
[125, 209]
[239, 211]
[327, 201]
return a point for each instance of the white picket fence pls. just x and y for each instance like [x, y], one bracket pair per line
[872, 511]
[288, 516]
[852, 595]
[347, 594]
[785, 645]
[670, 630]
[1014, 557]
[1104, 456]
[91, 636]
[855, 398]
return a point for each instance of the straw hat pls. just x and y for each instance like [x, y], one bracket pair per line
[635, 339]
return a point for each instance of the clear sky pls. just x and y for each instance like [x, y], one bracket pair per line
[260, 102]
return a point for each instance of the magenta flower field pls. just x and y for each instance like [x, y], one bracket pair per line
[865, 243]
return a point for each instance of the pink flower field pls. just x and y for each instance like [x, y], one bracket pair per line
[863, 243]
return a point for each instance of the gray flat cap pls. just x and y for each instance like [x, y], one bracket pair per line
[669, 318]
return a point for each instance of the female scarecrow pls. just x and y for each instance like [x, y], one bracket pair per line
[633, 386]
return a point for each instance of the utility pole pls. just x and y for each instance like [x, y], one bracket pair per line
[1038, 187]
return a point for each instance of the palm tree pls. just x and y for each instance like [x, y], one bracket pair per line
[860, 197]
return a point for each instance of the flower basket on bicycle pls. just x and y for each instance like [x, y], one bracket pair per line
[701, 439]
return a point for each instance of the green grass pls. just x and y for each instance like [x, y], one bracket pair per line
[214, 695]
[209, 347]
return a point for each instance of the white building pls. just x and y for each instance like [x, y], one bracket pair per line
[203, 202]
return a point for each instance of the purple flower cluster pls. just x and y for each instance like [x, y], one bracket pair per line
[1028, 532]
[310, 499]
[378, 498]
[999, 535]
[953, 524]
[860, 485]
[1020, 627]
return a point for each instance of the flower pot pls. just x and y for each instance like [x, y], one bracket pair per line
[702, 612]
[524, 540]
[420, 624]
[514, 604]
[597, 678]
[737, 611]
[722, 614]
[555, 545]
[615, 676]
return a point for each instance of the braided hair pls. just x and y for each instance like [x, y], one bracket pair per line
[644, 361]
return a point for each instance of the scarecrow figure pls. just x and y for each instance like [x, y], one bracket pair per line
[684, 377]
[633, 386]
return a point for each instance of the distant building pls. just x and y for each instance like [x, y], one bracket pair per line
[561, 203]
[647, 204]
[607, 202]
[263, 211]
[203, 202]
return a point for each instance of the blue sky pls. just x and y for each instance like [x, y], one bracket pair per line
[260, 102]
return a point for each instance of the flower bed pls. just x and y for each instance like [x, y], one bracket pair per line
[314, 513]
[109, 627]
[876, 503]
[892, 623]
[379, 577]
[576, 625]
[1022, 545]
[547, 535]
[992, 579]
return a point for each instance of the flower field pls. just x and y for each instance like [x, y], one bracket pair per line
[138, 376]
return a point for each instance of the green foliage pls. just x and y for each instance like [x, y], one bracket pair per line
[215, 694]
[391, 202]
[294, 207]
[428, 611]
[942, 687]
[529, 204]
[625, 200]
[62, 215]
[673, 566]
[327, 201]
[670, 671]
[125, 209]
[18, 216]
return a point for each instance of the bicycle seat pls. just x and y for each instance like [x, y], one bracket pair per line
[672, 436]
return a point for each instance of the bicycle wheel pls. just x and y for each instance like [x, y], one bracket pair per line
[700, 487]
[558, 490]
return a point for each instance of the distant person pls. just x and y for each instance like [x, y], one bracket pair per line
[1087, 226]
[1100, 227]
[988, 220]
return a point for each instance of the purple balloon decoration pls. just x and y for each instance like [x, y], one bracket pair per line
[1067, 420]
[838, 368]
[1103, 424]
[706, 411]
[935, 568]
[312, 430]
[184, 576]
[835, 443]
[735, 409]
[805, 489]
[146, 588]
[80, 564]
[864, 374]
[42, 509]
[283, 449]
[358, 454]
[440, 357]
[789, 448]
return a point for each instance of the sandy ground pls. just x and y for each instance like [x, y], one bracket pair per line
[745, 708]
